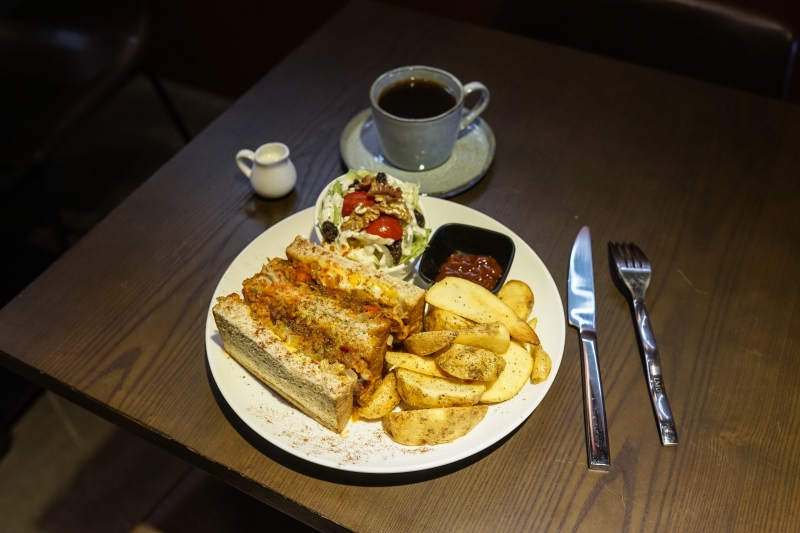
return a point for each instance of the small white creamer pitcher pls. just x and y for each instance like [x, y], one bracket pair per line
[271, 172]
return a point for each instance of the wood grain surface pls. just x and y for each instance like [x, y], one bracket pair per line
[705, 180]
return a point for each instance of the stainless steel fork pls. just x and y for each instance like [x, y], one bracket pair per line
[634, 270]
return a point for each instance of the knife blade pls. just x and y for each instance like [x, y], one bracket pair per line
[581, 315]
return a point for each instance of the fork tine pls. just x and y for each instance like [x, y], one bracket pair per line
[617, 254]
[640, 257]
[626, 253]
[633, 259]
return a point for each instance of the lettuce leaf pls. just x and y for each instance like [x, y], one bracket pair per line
[418, 245]
[337, 212]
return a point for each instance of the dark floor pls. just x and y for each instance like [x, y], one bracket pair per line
[67, 470]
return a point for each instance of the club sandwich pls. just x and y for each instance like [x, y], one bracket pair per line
[315, 328]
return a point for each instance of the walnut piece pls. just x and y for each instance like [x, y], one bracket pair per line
[364, 183]
[383, 192]
[360, 218]
[395, 209]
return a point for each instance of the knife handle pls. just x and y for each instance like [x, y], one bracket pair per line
[594, 411]
[655, 380]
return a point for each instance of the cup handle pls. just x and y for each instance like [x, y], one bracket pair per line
[476, 111]
[241, 157]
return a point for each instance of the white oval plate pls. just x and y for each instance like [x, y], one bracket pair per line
[363, 447]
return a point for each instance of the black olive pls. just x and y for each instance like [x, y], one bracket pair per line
[396, 249]
[381, 178]
[420, 218]
[329, 231]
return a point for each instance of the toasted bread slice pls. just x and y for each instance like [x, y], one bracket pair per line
[315, 389]
[330, 269]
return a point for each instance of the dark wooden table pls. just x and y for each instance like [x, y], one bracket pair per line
[705, 179]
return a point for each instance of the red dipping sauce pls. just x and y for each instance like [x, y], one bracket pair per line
[481, 269]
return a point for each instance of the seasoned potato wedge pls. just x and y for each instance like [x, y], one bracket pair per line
[473, 302]
[427, 342]
[409, 361]
[423, 392]
[432, 426]
[439, 319]
[519, 366]
[469, 362]
[518, 296]
[493, 337]
[542, 364]
[382, 400]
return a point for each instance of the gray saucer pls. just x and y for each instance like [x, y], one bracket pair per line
[469, 162]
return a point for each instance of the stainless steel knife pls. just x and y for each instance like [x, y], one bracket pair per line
[580, 314]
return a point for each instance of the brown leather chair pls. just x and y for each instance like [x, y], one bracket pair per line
[59, 61]
[696, 38]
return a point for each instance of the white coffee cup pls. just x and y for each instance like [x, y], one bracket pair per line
[271, 172]
[423, 143]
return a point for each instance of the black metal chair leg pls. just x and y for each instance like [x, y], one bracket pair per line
[158, 87]
[5, 442]
[16, 397]
[52, 205]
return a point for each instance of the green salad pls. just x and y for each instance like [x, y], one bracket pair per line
[374, 218]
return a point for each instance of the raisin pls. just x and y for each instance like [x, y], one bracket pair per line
[329, 231]
[396, 249]
[381, 177]
[420, 218]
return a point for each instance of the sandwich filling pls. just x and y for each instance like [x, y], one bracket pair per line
[349, 331]
[328, 269]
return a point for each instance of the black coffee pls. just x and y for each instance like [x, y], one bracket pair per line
[416, 99]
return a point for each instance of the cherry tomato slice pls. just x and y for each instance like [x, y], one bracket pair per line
[353, 200]
[386, 227]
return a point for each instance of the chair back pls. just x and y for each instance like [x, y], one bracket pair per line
[695, 38]
[58, 60]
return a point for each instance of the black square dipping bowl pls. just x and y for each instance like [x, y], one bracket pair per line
[470, 240]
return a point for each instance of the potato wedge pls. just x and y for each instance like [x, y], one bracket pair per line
[427, 342]
[542, 364]
[518, 296]
[519, 366]
[493, 337]
[423, 392]
[409, 361]
[473, 302]
[432, 426]
[469, 362]
[382, 400]
[439, 319]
